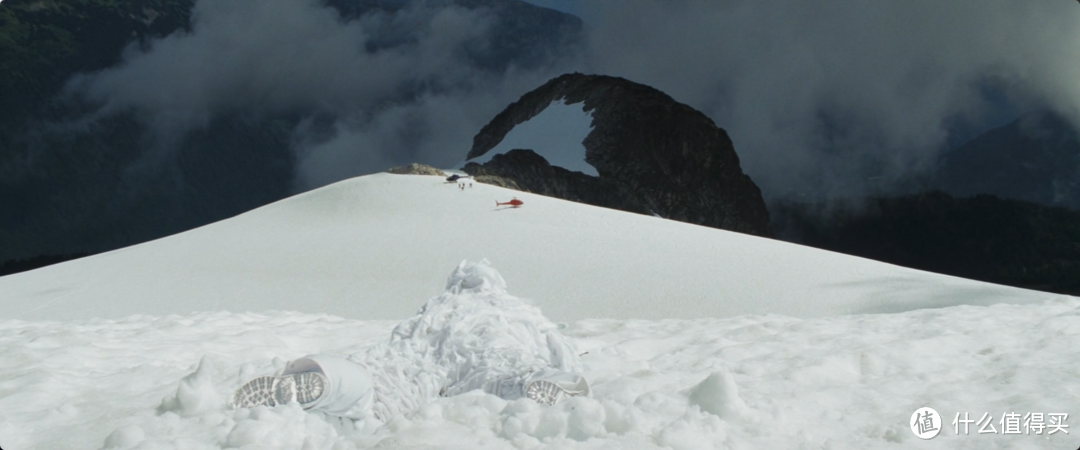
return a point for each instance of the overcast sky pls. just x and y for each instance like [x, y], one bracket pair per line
[839, 96]
[825, 98]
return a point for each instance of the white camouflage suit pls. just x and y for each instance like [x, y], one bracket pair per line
[473, 336]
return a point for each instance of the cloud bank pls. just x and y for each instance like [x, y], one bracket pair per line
[845, 97]
[385, 88]
[821, 99]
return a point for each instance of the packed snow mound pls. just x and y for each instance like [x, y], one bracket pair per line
[459, 341]
[475, 278]
[718, 394]
[195, 395]
[366, 247]
[476, 313]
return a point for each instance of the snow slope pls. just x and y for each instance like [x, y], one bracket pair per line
[694, 338]
[373, 248]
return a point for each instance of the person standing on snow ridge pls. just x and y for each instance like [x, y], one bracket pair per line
[473, 336]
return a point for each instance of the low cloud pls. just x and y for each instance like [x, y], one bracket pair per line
[396, 86]
[821, 99]
[845, 97]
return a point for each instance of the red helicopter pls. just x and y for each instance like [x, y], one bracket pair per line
[512, 203]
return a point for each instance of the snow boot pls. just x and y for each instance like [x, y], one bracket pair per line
[304, 388]
[550, 386]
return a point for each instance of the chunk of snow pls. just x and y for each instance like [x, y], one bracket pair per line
[125, 437]
[719, 395]
[195, 395]
[475, 278]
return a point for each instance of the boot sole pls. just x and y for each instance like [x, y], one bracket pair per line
[544, 392]
[304, 388]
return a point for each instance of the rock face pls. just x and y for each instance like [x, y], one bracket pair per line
[653, 156]
[416, 169]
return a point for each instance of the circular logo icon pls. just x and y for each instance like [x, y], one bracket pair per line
[925, 423]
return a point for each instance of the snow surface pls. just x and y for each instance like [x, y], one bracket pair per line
[563, 149]
[752, 381]
[744, 344]
[373, 248]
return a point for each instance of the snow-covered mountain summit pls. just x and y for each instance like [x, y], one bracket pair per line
[370, 248]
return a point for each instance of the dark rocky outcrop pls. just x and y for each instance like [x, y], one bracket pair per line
[416, 169]
[527, 171]
[653, 155]
[984, 237]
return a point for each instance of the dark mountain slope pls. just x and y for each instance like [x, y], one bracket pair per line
[986, 238]
[1035, 158]
[43, 42]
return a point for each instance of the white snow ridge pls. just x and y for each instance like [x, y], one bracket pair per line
[691, 338]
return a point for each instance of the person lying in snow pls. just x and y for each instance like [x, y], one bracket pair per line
[473, 336]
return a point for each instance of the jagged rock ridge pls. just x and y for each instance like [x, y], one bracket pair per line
[416, 169]
[653, 155]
